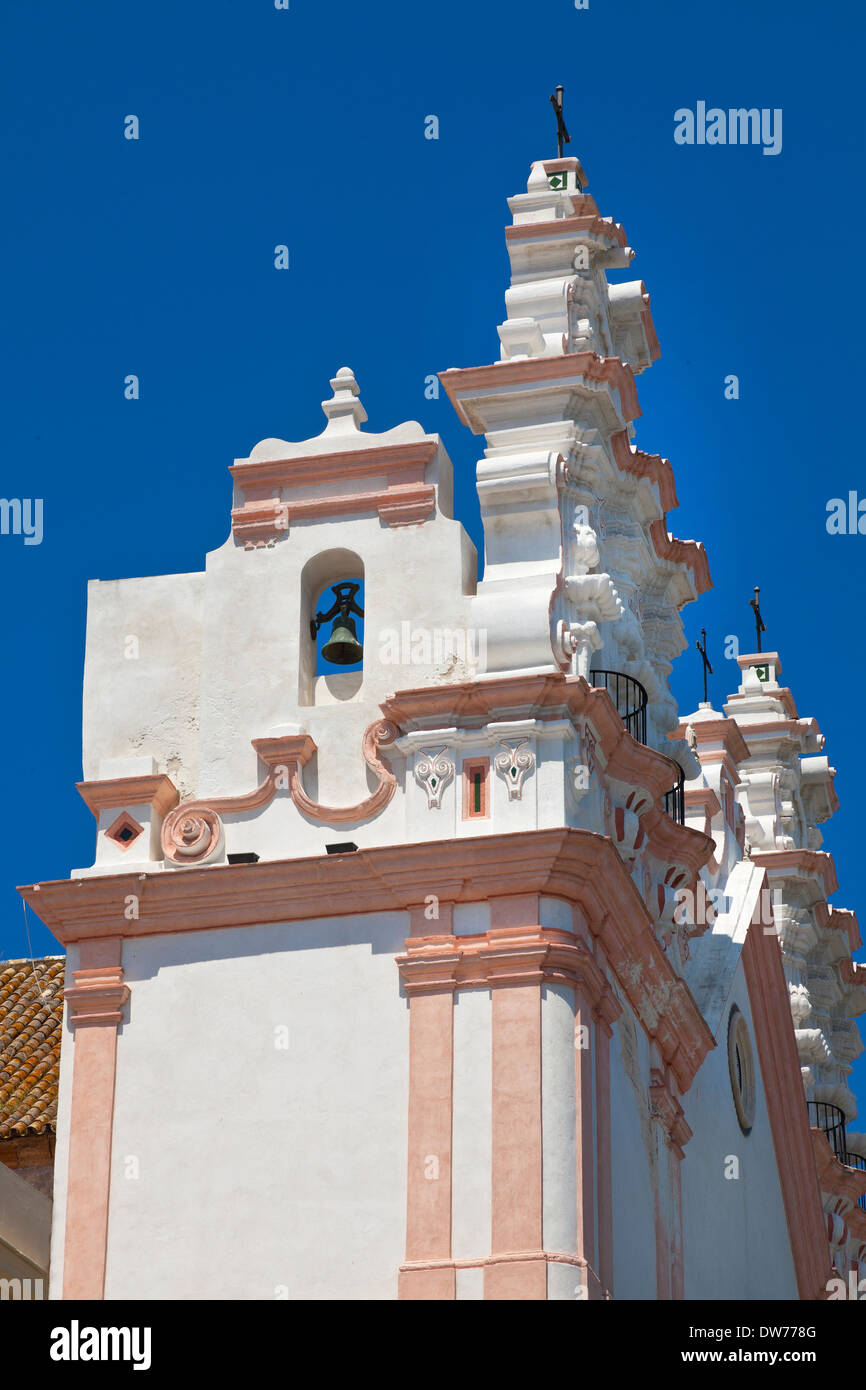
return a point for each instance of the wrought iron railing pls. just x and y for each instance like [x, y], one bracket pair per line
[856, 1161]
[629, 697]
[830, 1119]
[675, 799]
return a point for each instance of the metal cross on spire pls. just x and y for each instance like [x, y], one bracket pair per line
[561, 132]
[708, 670]
[759, 622]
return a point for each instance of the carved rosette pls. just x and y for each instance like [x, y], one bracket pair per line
[514, 766]
[433, 772]
[191, 834]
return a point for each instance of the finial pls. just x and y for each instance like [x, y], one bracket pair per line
[708, 670]
[344, 411]
[759, 622]
[561, 132]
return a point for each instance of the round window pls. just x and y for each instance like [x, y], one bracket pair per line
[741, 1065]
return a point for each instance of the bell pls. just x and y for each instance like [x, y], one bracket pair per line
[343, 647]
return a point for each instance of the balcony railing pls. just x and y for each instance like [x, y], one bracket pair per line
[831, 1121]
[856, 1161]
[675, 800]
[629, 697]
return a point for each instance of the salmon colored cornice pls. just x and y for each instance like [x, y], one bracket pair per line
[506, 956]
[726, 732]
[781, 728]
[833, 1176]
[843, 919]
[786, 1106]
[611, 371]
[574, 865]
[687, 553]
[809, 861]
[585, 222]
[156, 790]
[385, 459]
[641, 465]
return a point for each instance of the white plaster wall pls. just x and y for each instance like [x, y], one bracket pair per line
[735, 1236]
[633, 1167]
[262, 1170]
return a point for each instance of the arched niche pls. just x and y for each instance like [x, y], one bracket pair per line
[316, 685]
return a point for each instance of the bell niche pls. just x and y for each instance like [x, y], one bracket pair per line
[331, 645]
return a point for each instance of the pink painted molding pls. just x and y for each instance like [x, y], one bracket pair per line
[584, 222]
[786, 1105]
[609, 371]
[275, 492]
[799, 861]
[834, 1177]
[193, 829]
[94, 1010]
[641, 465]
[113, 793]
[689, 553]
[581, 868]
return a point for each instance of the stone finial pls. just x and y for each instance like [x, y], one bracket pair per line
[344, 411]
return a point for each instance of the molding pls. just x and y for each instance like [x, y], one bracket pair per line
[689, 553]
[578, 866]
[269, 507]
[542, 371]
[116, 793]
[786, 1106]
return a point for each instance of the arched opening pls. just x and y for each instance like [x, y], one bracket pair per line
[331, 633]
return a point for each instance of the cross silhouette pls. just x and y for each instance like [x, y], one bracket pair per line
[708, 670]
[759, 622]
[561, 132]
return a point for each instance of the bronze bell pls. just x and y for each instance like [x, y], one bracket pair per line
[342, 647]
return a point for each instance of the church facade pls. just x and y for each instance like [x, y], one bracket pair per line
[478, 970]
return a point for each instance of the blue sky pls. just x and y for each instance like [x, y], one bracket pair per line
[305, 127]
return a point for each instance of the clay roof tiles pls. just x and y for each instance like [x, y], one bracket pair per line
[31, 1025]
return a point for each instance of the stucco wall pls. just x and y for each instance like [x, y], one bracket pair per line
[260, 1168]
[736, 1243]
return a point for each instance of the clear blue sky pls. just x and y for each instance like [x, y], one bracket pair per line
[306, 127]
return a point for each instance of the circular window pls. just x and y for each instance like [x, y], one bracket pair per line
[741, 1065]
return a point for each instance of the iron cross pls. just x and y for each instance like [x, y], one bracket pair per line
[708, 670]
[561, 132]
[759, 622]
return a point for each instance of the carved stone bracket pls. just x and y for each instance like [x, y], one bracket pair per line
[514, 766]
[433, 772]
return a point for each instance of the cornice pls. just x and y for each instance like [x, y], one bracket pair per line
[112, 793]
[577, 866]
[541, 371]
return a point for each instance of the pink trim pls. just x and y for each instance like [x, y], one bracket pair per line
[806, 861]
[124, 822]
[689, 553]
[110, 793]
[786, 1105]
[94, 1010]
[517, 1154]
[652, 466]
[583, 1017]
[270, 489]
[567, 227]
[471, 767]
[428, 1214]
[473, 381]
[191, 832]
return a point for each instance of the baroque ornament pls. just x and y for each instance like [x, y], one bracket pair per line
[514, 765]
[433, 772]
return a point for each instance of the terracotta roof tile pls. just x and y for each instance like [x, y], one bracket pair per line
[31, 1025]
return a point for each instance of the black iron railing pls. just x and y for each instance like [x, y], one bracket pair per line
[629, 697]
[856, 1161]
[830, 1119]
[675, 799]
